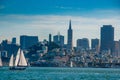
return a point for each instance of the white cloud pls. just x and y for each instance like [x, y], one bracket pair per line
[42, 25]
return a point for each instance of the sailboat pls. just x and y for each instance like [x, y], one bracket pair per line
[0, 62]
[18, 63]
[71, 64]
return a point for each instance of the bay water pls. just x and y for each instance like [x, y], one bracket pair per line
[55, 73]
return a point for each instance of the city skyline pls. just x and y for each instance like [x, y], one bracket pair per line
[40, 18]
[60, 39]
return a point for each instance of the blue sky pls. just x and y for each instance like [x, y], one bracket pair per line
[64, 7]
[41, 17]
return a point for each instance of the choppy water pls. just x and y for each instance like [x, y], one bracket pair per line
[47, 73]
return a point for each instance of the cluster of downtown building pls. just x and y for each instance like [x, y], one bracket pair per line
[103, 52]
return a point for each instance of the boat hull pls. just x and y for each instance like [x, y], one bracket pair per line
[17, 68]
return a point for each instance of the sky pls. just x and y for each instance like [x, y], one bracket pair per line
[42, 17]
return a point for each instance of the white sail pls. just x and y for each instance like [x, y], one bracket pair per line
[17, 57]
[71, 64]
[22, 60]
[11, 63]
[0, 62]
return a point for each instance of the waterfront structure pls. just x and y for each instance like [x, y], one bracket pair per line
[9, 48]
[3, 54]
[28, 41]
[70, 38]
[83, 44]
[59, 40]
[107, 38]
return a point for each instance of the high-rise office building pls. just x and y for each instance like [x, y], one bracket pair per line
[107, 38]
[116, 50]
[59, 40]
[14, 40]
[50, 38]
[83, 44]
[70, 38]
[28, 41]
[94, 43]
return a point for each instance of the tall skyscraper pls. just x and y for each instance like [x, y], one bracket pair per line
[50, 38]
[107, 38]
[59, 40]
[28, 41]
[70, 38]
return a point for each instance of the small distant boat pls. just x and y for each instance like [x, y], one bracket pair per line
[1, 62]
[71, 64]
[18, 63]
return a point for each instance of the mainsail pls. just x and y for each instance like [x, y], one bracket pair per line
[22, 60]
[71, 64]
[17, 57]
[19, 63]
[11, 63]
[0, 62]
